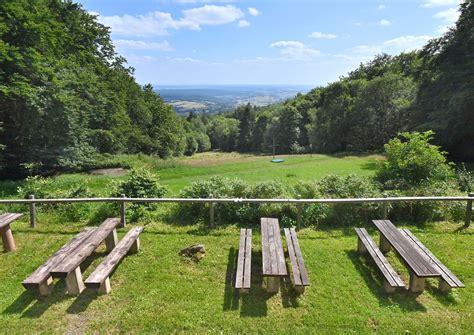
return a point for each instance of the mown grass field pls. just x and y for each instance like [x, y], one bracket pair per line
[158, 291]
[178, 173]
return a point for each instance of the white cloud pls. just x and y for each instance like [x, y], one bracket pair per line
[243, 23]
[212, 15]
[318, 34]
[393, 46]
[448, 17]
[407, 43]
[159, 23]
[254, 11]
[439, 3]
[295, 50]
[384, 23]
[381, 7]
[142, 45]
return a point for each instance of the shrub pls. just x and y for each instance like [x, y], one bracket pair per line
[412, 160]
[352, 186]
[140, 183]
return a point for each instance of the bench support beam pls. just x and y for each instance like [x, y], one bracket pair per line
[387, 287]
[46, 287]
[361, 247]
[273, 284]
[111, 240]
[74, 282]
[444, 286]
[135, 248]
[104, 287]
[384, 244]
[7, 238]
[417, 284]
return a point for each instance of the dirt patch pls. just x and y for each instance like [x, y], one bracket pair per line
[207, 159]
[111, 172]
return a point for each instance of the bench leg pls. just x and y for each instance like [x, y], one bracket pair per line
[105, 287]
[74, 282]
[273, 284]
[387, 287]
[384, 244]
[7, 238]
[417, 284]
[46, 287]
[111, 240]
[299, 289]
[444, 286]
[361, 247]
[135, 246]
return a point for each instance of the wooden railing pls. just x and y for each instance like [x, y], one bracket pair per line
[32, 202]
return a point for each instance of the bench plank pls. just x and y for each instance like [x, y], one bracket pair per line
[273, 257]
[299, 257]
[446, 274]
[88, 246]
[103, 271]
[241, 260]
[294, 263]
[409, 254]
[7, 218]
[42, 273]
[248, 259]
[384, 266]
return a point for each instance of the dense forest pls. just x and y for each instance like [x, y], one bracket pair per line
[430, 89]
[67, 99]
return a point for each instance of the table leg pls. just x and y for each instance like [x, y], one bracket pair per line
[7, 238]
[384, 244]
[273, 284]
[417, 284]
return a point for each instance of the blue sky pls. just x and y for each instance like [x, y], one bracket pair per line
[192, 42]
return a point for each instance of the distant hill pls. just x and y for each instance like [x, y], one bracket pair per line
[212, 99]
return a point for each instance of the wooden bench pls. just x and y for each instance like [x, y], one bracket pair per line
[70, 269]
[300, 276]
[419, 267]
[242, 279]
[6, 231]
[99, 279]
[447, 280]
[365, 244]
[41, 279]
[273, 257]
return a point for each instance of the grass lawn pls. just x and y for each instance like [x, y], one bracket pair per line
[157, 291]
[178, 173]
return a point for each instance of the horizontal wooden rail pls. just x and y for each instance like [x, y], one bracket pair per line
[229, 200]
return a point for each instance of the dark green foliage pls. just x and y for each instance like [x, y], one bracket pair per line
[465, 178]
[412, 160]
[65, 95]
[140, 183]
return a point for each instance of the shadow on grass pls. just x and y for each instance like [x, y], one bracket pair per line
[231, 295]
[81, 303]
[447, 299]
[405, 300]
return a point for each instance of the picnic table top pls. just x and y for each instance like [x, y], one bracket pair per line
[419, 265]
[273, 258]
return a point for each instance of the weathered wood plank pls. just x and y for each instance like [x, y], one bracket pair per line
[409, 254]
[282, 271]
[88, 246]
[241, 260]
[273, 257]
[41, 274]
[7, 218]
[384, 266]
[446, 274]
[103, 271]
[294, 262]
[248, 259]
[265, 247]
[299, 258]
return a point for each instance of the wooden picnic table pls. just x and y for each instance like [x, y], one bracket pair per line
[419, 267]
[273, 257]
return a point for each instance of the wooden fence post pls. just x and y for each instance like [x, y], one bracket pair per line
[385, 206]
[32, 211]
[123, 220]
[211, 212]
[298, 213]
[467, 221]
